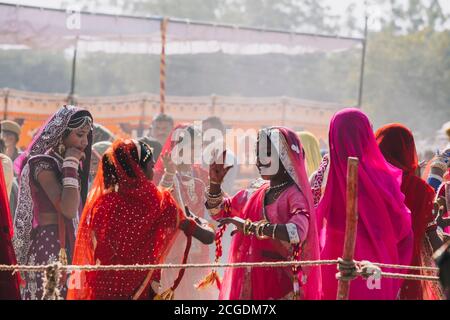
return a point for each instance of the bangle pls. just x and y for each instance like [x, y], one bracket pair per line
[72, 159]
[247, 226]
[167, 180]
[213, 204]
[70, 172]
[273, 231]
[209, 195]
[71, 183]
[169, 173]
[70, 164]
[215, 182]
[260, 230]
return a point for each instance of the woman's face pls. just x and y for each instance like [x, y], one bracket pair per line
[10, 138]
[78, 138]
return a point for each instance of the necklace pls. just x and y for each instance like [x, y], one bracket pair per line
[278, 189]
[278, 186]
[190, 184]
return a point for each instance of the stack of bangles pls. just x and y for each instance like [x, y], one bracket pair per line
[70, 172]
[213, 200]
[167, 180]
[258, 228]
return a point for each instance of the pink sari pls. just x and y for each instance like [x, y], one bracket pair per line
[267, 283]
[384, 224]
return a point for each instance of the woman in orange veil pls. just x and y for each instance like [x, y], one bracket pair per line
[127, 221]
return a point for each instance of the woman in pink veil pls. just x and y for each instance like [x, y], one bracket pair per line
[280, 223]
[384, 231]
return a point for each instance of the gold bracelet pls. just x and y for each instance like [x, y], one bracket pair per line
[211, 204]
[215, 182]
[273, 231]
[260, 230]
[247, 226]
[209, 195]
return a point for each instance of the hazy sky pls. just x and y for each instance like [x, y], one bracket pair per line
[338, 6]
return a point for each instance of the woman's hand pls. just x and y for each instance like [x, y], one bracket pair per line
[204, 234]
[169, 165]
[238, 223]
[196, 218]
[217, 169]
[76, 153]
[184, 225]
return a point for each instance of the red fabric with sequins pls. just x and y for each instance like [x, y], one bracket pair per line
[131, 223]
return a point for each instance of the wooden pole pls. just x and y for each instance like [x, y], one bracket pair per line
[351, 223]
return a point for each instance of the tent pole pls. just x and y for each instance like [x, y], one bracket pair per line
[71, 98]
[162, 66]
[363, 63]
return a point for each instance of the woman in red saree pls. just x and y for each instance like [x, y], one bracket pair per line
[179, 169]
[9, 284]
[397, 144]
[126, 221]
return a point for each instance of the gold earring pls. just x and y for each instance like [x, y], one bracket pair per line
[61, 148]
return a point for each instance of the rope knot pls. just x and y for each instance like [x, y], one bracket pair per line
[348, 270]
[51, 279]
[367, 269]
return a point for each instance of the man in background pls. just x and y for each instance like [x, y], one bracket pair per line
[160, 129]
[10, 133]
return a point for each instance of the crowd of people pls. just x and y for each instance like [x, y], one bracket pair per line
[78, 195]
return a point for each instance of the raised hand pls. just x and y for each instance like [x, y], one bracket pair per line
[169, 165]
[217, 169]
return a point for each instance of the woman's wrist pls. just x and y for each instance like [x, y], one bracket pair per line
[213, 198]
[215, 182]
[170, 172]
[167, 180]
[215, 189]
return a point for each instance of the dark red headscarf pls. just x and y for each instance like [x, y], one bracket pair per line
[396, 142]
